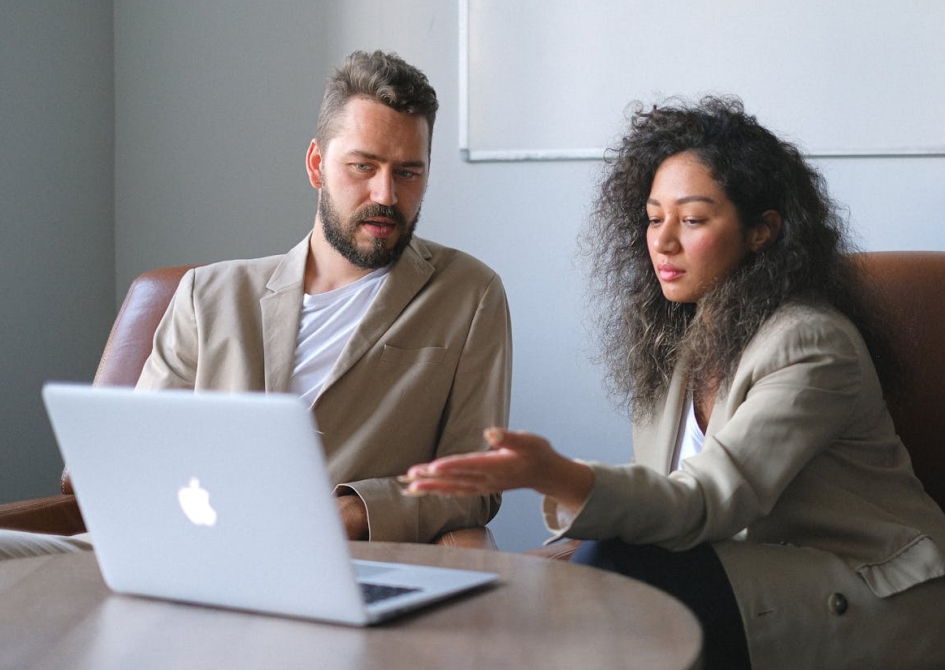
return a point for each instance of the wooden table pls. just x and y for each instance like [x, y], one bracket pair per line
[55, 612]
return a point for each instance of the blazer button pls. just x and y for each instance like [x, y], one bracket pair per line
[837, 604]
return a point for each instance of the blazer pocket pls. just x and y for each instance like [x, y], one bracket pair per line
[409, 357]
[917, 562]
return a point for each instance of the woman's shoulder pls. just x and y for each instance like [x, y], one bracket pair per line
[804, 317]
[803, 327]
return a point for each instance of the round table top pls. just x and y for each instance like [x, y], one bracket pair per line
[57, 612]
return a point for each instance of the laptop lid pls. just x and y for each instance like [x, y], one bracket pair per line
[222, 499]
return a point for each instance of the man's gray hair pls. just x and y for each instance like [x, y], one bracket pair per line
[385, 78]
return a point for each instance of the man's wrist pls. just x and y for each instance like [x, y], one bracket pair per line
[353, 514]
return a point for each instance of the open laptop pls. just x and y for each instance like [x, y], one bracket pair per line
[224, 500]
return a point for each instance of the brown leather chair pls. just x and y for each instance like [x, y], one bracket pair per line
[907, 288]
[126, 350]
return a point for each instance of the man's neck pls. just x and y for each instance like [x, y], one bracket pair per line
[325, 268]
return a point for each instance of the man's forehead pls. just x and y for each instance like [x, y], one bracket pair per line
[373, 130]
[366, 111]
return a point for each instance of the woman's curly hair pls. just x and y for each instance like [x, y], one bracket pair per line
[644, 335]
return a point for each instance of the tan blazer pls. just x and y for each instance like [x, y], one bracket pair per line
[426, 370]
[832, 547]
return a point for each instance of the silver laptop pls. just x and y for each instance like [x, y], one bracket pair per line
[225, 500]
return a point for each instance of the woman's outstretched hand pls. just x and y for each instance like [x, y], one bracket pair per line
[514, 460]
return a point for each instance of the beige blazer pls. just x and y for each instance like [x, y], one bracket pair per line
[832, 547]
[426, 370]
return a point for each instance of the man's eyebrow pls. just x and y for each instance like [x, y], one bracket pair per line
[367, 155]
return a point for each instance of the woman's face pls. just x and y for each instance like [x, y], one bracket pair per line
[694, 238]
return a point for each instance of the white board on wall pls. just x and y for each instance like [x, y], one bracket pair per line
[551, 79]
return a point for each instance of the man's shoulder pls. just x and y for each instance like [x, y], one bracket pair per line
[253, 268]
[449, 260]
[240, 266]
[223, 278]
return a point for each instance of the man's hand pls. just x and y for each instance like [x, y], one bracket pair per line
[354, 515]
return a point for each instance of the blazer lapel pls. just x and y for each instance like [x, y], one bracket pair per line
[408, 275]
[281, 311]
[654, 445]
[672, 418]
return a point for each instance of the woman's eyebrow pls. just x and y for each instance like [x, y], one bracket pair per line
[684, 200]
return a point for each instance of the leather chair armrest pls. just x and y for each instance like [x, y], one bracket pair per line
[559, 551]
[478, 537]
[58, 514]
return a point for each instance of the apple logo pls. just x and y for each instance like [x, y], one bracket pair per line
[195, 501]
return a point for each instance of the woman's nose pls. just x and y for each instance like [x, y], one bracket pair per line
[664, 238]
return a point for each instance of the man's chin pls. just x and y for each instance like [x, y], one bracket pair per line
[381, 253]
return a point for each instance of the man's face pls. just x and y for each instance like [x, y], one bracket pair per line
[372, 176]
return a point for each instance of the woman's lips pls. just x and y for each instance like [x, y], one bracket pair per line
[667, 272]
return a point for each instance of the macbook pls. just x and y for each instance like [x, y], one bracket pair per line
[224, 499]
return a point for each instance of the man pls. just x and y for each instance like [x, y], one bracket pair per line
[402, 346]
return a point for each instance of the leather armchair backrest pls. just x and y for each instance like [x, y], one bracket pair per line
[130, 341]
[132, 336]
[908, 289]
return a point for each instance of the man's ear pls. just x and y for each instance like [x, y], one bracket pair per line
[766, 232]
[313, 163]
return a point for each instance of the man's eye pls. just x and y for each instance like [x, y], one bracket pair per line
[408, 174]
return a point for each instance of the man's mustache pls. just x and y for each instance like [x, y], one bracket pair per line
[384, 211]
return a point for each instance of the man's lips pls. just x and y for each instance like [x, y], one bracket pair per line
[667, 272]
[382, 228]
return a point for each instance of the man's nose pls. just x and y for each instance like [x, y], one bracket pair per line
[383, 189]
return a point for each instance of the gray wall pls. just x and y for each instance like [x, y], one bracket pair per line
[215, 104]
[57, 252]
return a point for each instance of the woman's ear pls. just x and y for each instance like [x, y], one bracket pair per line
[766, 232]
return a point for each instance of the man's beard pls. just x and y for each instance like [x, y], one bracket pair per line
[340, 235]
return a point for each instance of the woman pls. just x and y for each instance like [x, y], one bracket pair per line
[769, 489]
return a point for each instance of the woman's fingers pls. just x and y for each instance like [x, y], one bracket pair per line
[510, 463]
[446, 488]
[448, 484]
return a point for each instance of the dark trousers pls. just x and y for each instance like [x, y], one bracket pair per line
[695, 577]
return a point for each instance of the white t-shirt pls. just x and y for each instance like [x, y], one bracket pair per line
[327, 322]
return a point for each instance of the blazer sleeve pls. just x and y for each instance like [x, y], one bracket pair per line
[792, 396]
[172, 363]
